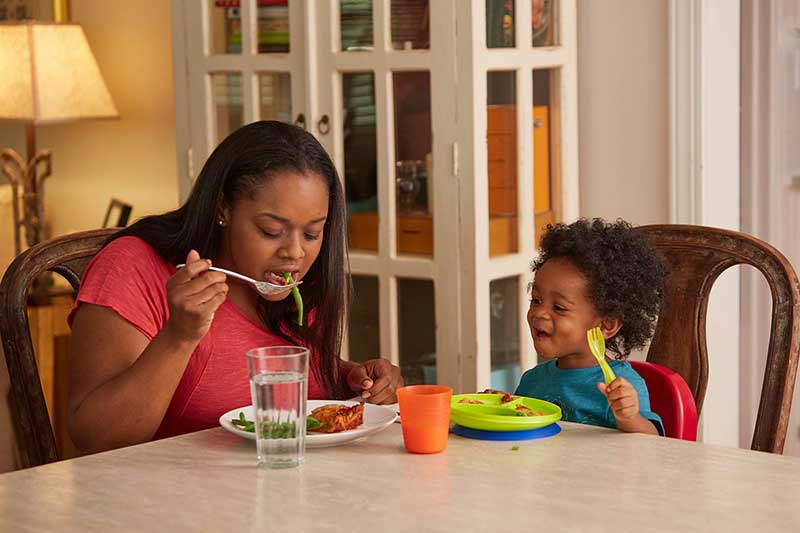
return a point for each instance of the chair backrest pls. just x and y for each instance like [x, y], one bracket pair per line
[67, 256]
[671, 398]
[695, 256]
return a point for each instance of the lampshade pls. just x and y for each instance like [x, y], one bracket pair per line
[48, 74]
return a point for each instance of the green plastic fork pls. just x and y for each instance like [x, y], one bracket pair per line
[597, 344]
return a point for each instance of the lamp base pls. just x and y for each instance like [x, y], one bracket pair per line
[29, 176]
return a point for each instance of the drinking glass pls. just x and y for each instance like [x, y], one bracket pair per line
[279, 386]
[408, 186]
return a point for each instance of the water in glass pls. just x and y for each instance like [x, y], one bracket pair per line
[279, 401]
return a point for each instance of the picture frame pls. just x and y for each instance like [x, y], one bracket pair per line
[118, 213]
[19, 10]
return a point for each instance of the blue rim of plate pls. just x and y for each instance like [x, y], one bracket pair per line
[525, 434]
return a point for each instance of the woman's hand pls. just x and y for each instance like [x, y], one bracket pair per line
[377, 381]
[624, 403]
[194, 294]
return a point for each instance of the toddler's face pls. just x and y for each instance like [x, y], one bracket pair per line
[560, 313]
[277, 229]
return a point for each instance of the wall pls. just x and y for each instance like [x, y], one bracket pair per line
[132, 158]
[623, 109]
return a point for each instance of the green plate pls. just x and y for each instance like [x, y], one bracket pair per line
[491, 415]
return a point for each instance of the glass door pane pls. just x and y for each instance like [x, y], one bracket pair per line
[544, 22]
[273, 27]
[412, 119]
[504, 333]
[500, 32]
[275, 96]
[363, 334]
[544, 171]
[226, 94]
[410, 24]
[356, 25]
[360, 159]
[501, 139]
[225, 27]
[417, 330]
[239, 84]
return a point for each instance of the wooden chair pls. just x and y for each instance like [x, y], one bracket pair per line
[67, 256]
[695, 256]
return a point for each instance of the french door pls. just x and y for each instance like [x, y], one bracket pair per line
[453, 127]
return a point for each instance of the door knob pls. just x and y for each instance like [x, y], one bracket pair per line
[324, 125]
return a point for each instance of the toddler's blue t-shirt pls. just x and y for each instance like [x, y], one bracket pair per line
[575, 391]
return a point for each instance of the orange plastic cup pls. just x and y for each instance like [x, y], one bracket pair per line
[425, 417]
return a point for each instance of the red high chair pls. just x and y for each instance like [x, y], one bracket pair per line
[671, 399]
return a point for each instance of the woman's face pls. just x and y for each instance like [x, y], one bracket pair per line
[278, 228]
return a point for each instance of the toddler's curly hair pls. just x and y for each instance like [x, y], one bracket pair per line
[625, 277]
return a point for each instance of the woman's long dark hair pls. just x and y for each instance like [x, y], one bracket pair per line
[245, 159]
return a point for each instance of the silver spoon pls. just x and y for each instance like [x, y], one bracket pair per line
[264, 287]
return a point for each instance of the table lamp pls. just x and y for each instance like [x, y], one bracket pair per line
[48, 74]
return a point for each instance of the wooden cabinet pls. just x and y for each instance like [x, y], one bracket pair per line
[501, 146]
[414, 233]
[362, 231]
[501, 143]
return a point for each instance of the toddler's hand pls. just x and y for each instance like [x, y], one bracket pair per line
[622, 399]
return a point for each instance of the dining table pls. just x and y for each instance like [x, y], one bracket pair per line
[584, 478]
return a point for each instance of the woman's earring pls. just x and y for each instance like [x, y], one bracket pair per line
[221, 223]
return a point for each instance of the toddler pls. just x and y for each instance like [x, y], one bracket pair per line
[593, 273]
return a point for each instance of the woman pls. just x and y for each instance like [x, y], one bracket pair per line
[158, 351]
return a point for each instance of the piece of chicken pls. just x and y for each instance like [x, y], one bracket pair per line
[470, 401]
[527, 411]
[335, 418]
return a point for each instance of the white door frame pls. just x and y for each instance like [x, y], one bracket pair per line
[705, 178]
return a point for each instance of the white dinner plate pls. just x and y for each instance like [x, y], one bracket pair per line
[376, 418]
